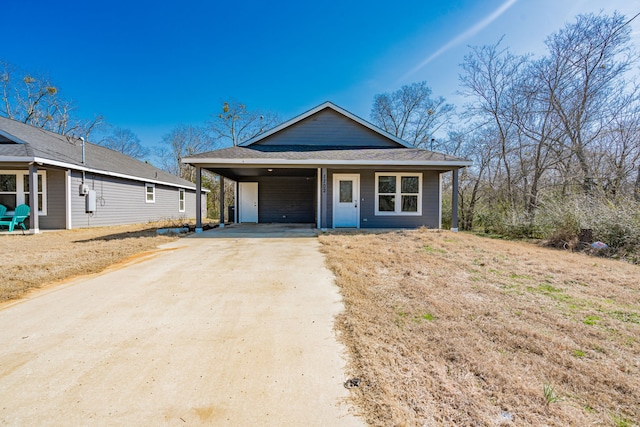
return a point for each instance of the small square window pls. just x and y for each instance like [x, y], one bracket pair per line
[386, 203]
[150, 193]
[410, 184]
[386, 184]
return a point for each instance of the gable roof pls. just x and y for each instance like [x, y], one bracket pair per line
[317, 109]
[310, 151]
[20, 143]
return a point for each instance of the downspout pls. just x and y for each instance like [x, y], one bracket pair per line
[83, 163]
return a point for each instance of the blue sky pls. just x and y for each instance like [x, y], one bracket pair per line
[151, 65]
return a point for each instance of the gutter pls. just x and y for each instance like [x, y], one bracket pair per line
[64, 165]
[313, 162]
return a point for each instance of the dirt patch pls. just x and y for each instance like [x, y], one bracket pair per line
[31, 261]
[454, 329]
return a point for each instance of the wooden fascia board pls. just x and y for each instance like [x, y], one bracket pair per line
[204, 162]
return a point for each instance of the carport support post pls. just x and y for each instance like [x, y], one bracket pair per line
[454, 201]
[198, 199]
[221, 178]
[33, 198]
[323, 200]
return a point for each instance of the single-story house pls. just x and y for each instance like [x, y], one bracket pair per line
[80, 184]
[333, 169]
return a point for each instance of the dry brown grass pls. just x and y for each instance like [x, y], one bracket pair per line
[453, 329]
[30, 261]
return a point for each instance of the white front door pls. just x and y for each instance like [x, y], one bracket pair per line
[248, 202]
[346, 196]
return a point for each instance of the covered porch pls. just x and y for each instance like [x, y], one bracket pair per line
[16, 182]
[315, 193]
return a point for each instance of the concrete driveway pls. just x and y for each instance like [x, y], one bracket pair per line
[230, 327]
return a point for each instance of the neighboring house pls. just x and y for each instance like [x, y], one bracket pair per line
[85, 185]
[333, 169]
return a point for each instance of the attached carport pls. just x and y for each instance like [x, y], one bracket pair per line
[279, 195]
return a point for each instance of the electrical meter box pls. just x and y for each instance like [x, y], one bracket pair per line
[90, 201]
[84, 189]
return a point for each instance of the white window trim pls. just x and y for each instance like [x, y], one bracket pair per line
[182, 199]
[398, 194]
[20, 196]
[146, 193]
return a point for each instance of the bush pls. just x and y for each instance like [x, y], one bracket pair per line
[509, 225]
[616, 223]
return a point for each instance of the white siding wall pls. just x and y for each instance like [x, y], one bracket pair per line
[121, 201]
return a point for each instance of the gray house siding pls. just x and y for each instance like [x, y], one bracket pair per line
[56, 201]
[122, 201]
[326, 128]
[286, 199]
[368, 219]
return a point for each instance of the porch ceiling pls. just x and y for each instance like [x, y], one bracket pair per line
[240, 172]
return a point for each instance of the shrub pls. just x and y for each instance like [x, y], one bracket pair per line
[614, 222]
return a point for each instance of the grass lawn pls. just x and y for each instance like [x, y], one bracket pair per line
[454, 329]
[30, 261]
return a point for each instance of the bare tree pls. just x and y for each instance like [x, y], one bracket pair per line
[618, 154]
[410, 113]
[538, 132]
[184, 141]
[236, 124]
[488, 77]
[585, 78]
[125, 142]
[35, 100]
[478, 146]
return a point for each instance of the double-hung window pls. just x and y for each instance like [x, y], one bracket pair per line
[181, 200]
[398, 193]
[14, 190]
[150, 193]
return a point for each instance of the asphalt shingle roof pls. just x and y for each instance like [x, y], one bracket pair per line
[30, 141]
[333, 153]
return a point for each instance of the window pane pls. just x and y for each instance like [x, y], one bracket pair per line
[410, 184]
[346, 191]
[150, 192]
[386, 184]
[27, 201]
[7, 183]
[8, 200]
[25, 180]
[409, 203]
[386, 203]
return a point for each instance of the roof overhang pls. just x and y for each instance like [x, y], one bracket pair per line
[211, 162]
[235, 169]
[48, 162]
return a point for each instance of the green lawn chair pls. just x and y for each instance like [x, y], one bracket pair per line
[19, 215]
